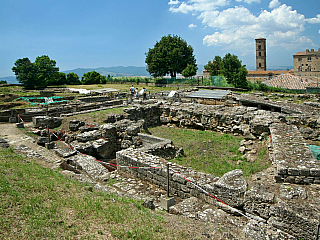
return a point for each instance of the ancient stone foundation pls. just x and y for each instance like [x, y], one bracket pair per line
[294, 160]
[230, 188]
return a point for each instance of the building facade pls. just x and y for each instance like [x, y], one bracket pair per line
[307, 64]
[261, 54]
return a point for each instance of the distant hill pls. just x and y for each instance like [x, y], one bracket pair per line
[129, 71]
[10, 79]
[119, 71]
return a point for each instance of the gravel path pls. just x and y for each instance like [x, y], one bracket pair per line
[17, 138]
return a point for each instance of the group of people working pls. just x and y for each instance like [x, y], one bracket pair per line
[135, 92]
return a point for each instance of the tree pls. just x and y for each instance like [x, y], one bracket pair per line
[214, 66]
[25, 72]
[3, 82]
[47, 72]
[39, 74]
[234, 71]
[170, 55]
[190, 71]
[62, 79]
[73, 79]
[92, 77]
[103, 79]
[231, 68]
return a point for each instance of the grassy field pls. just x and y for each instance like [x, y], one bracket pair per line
[39, 203]
[212, 152]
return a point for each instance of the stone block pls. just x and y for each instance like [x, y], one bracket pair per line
[282, 170]
[315, 172]
[65, 152]
[304, 172]
[42, 141]
[166, 202]
[103, 148]
[279, 178]
[12, 119]
[20, 125]
[50, 145]
[290, 179]
[293, 172]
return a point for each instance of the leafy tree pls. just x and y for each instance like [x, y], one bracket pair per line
[92, 77]
[234, 71]
[25, 72]
[73, 79]
[3, 82]
[190, 71]
[103, 79]
[47, 72]
[231, 68]
[41, 73]
[170, 55]
[62, 79]
[214, 66]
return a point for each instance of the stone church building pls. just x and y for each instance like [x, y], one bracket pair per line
[307, 64]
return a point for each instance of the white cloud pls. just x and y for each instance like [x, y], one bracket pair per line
[319, 31]
[230, 17]
[198, 6]
[314, 20]
[252, 1]
[192, 25]
[173, 2]
[248, 1]
[274, 4]
[236, 27]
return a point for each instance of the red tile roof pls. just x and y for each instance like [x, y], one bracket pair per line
[288, 81]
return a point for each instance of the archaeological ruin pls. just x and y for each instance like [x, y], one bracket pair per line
[282, 202]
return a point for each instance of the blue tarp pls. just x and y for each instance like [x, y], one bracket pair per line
[315, 151]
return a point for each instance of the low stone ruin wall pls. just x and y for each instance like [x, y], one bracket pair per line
[250, 122]
[232, 194]
[28, 113]
[159, 146]
[294, 160]
[93, 99]
[258, 202]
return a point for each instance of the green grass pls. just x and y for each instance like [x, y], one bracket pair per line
[39, 203]
[211, 152]
[18, 91]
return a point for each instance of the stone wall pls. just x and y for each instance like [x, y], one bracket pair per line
[258, 203]
[230, 188]
[63, 110]
[293, 158]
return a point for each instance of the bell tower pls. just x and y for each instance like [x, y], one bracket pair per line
[261, 54]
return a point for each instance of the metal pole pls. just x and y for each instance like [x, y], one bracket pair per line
[48, 133]
[318, 231]
[168, 180]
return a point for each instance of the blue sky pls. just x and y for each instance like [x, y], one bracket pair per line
[106, 33]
